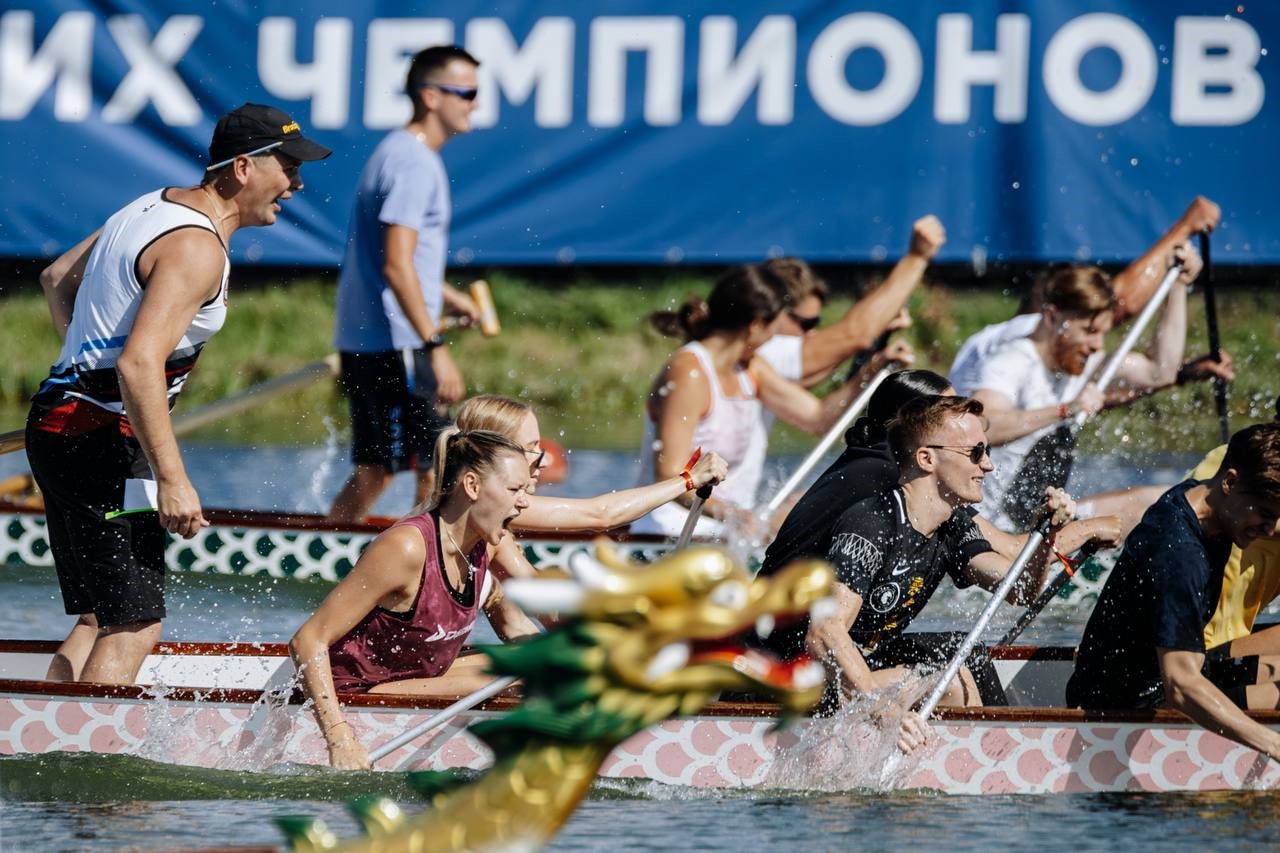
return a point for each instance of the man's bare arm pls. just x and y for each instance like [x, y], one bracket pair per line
[1186, 689]
[181, 271]
[61, 282]
[398, 245]
[1136, 284]
[824, 349]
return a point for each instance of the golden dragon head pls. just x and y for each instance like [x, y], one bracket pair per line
[644, 642]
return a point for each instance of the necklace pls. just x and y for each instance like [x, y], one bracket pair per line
[466, 558]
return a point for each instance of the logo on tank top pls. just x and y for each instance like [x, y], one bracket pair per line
[440, 635]
[885, 597]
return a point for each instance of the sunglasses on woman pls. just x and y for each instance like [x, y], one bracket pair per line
[806, 324]
[538, 455]
[974, 453]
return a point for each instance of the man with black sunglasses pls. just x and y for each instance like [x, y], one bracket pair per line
[892, 550]
[391, 290]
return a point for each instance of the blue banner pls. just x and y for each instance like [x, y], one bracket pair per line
[662, 132]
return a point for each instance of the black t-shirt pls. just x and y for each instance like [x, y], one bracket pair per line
[859, 473]
[1162, 592]
[894, 568]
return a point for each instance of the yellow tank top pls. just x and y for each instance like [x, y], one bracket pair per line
[1250, 581]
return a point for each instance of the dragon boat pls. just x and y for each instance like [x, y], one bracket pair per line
[231, 706]
[307, 547]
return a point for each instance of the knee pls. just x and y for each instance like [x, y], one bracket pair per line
[87, 620]
[148, 631]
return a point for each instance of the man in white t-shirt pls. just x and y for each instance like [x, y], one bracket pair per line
[1032, 387]
[1133, 287]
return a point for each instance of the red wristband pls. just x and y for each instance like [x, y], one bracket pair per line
[688, 467]
[1064, 411]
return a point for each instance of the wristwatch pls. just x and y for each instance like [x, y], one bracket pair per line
[434, 341]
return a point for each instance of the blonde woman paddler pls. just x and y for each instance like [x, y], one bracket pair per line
[398, 622]
[516, 421]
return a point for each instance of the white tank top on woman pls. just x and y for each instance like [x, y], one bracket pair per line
[734, 428]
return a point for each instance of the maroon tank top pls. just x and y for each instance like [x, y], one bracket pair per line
[420, 643]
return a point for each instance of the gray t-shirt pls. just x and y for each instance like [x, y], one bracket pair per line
[403, 183]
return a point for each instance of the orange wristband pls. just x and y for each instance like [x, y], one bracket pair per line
[1064, 411]
[688, 467]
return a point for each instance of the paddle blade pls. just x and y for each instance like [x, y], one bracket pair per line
[489, 325]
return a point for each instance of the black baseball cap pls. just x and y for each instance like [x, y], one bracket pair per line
[255, 129]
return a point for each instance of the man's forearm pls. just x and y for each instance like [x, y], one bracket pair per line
[872, 313]
[1202, 701]
[836, 650]
[405, 287]
[146, 404]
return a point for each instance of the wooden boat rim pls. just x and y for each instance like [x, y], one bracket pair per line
[744, 709]
[272, 649]
[507, 701]
[316, 523]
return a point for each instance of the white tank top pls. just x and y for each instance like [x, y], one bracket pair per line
[107, 303]
[734, 428]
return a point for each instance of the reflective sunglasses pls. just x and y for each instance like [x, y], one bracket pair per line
[974, 453]
[467, 94]
[806, 324]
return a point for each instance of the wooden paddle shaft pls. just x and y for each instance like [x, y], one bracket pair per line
[466, 703]
[1215, 342]
[1011, 577]
[695, 512]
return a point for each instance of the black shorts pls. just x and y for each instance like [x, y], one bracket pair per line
[933, 651]
[112, 569]
[394, 422]
[1231, 675]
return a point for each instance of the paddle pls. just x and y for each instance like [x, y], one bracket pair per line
[1215, 343]
[957, 660]
[1135, 331]
[815, 456]
[234, 404]
[695, 512]
[1050, 592]
[466, 703]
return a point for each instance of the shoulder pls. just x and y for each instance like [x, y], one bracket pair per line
[874, 513]
[1007, 365]
[402, 542]
[785, 354]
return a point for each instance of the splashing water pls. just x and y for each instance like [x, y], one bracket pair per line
[856, 747]
[315, 497]
[215, 736]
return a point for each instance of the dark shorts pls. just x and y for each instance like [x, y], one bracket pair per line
[1231, 675]
[932, 651]
[113, 569]
[394, 422]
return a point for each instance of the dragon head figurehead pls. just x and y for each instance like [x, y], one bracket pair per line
[645, 642]
[637, 644]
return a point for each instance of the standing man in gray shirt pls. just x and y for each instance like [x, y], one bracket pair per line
[391, 290]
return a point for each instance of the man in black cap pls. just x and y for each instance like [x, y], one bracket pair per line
[134, 303]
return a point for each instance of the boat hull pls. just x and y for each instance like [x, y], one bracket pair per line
[246, 718]
[966, 757]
